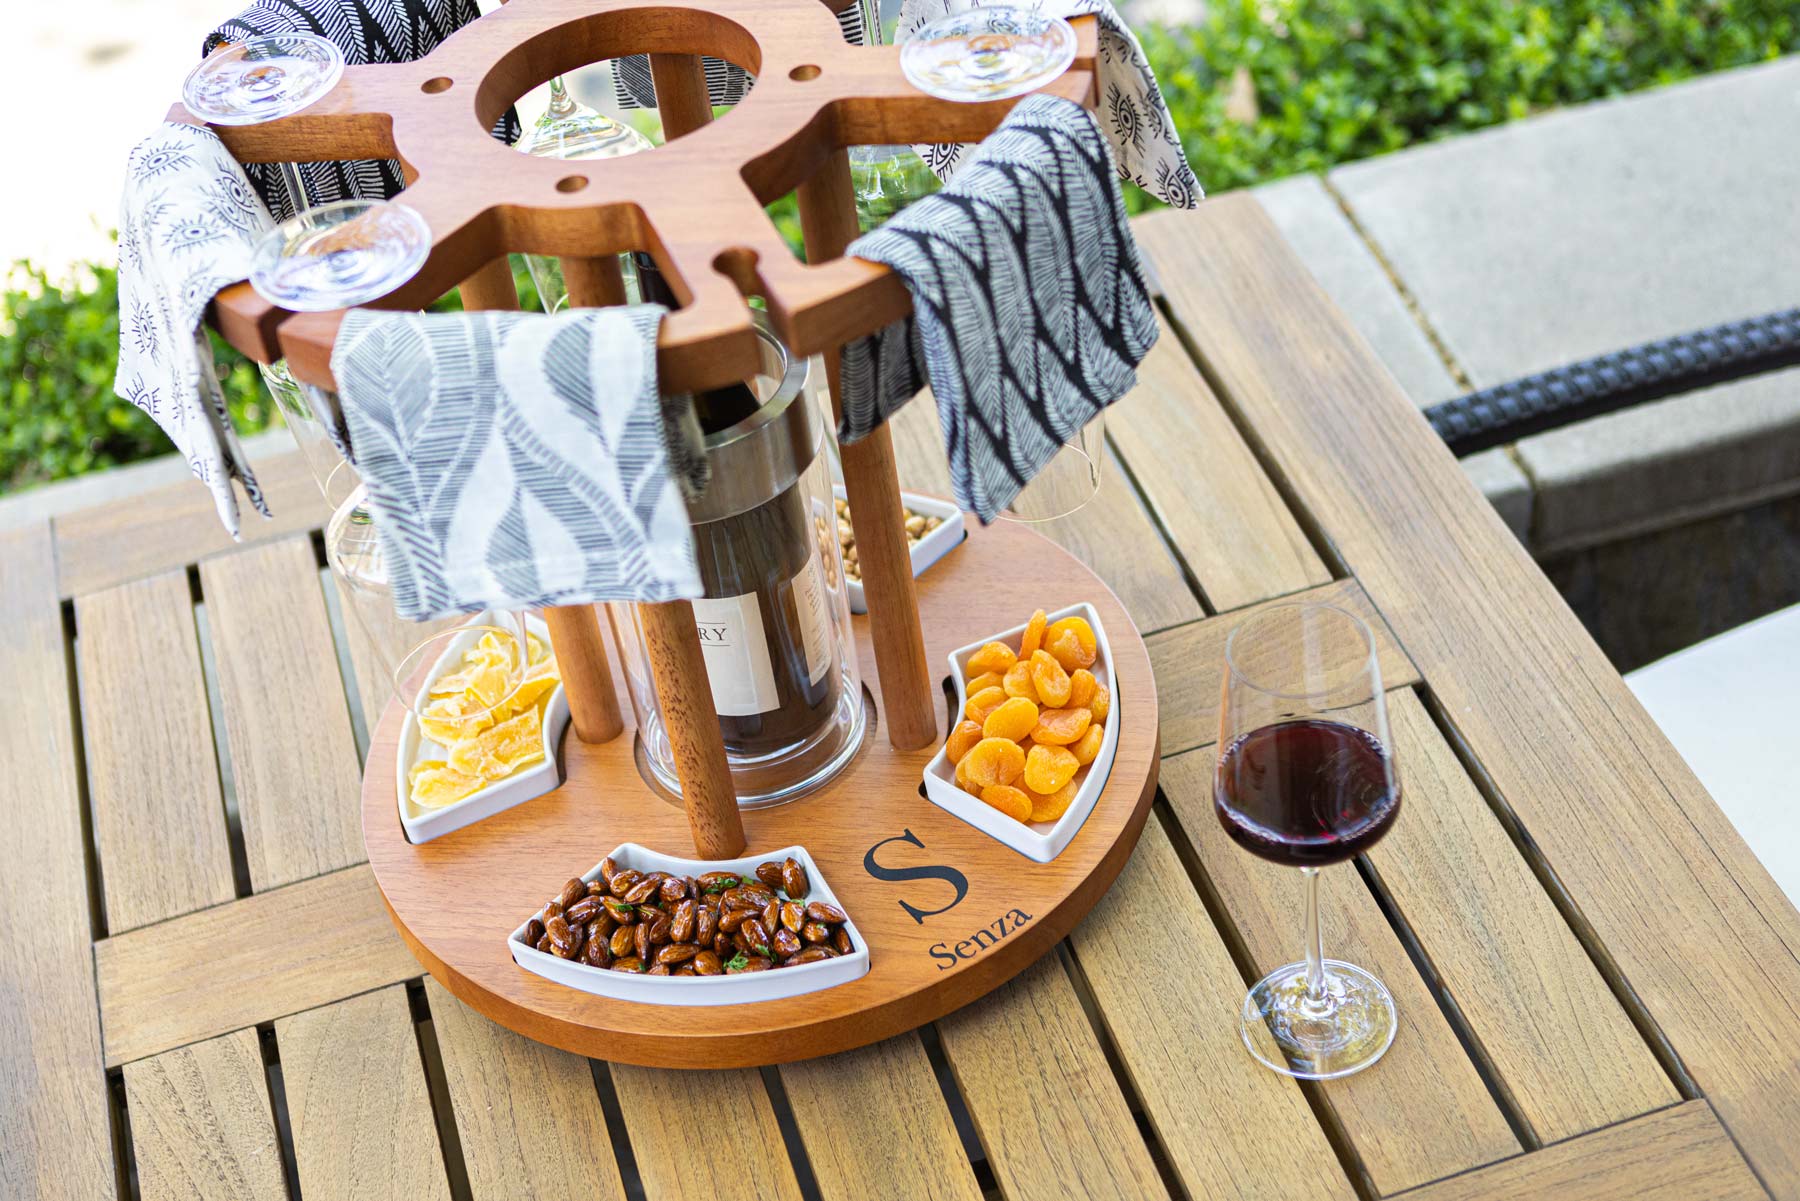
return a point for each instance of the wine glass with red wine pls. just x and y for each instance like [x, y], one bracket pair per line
[1306, 778]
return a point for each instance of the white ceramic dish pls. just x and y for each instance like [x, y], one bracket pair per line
[925, 551]
[1040, 841]
[422, 824]
[701, 990]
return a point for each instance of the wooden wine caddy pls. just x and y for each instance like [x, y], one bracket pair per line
[948, 912]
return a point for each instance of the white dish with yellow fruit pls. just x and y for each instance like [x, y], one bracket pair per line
[453, 770]
[1066, 742]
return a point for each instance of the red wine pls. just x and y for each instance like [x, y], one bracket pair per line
[1306, 793]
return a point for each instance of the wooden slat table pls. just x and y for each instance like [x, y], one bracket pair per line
[201, 997]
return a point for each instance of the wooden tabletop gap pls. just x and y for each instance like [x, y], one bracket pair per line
[1309, 524]
[215, 707]
[119, 1117]
[623, 1155]
[1453, 1015]
[959, 1111]
[1534, 858]
[443, 1112]
[90, 847]
[284, 1128]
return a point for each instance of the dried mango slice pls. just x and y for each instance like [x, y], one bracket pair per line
[435, 784]
[1008, 800]
[451, 719]
[1014, 719]
[539, 683]
[497, 753]
[1047, 808]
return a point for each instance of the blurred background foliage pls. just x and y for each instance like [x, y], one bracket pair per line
[1260, 89]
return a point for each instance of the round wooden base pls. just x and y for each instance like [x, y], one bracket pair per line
[948, 912]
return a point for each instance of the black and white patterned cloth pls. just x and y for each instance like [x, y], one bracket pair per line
[1145, 142]
[367, 31]
[725, 84]
[516, 460]
[188, 222]
[1030, 313]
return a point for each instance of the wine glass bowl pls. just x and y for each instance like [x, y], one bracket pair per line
[1306, 778]
[341, 254]
[988, 53]
[262, 78]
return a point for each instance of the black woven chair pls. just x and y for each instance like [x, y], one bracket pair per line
[1668, 367]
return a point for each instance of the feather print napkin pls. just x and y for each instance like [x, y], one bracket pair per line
[367, 31]
[188, 221]
[516, 460]
[1137, 122]
[1030, 313]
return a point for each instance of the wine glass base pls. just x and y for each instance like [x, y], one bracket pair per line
[1351, 1027]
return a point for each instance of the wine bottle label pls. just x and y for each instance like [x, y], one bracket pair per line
[815, 618]
[737, 655]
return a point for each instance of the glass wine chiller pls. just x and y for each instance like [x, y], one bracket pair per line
[774, 622]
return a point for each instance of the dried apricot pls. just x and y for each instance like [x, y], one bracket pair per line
[982, 682]
[1050, 680]
[1060, 727]
[1047, 768]
[1102, 704]
[1088, 745]
[1008, 800]
[1081, 688]
[994, 656]
[996, 761]
[1079, 653]
[1034, 634]
[1047, 808]
[962, 778]
[1017, 682]
[965, 735]
[983, 703]
[1014, 719]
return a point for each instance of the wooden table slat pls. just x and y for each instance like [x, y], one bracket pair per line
[1113, 533]
[1657, 873]
[1424, 1110]
[1187, 661]
[1677, 1154]
[1049, 1112]
[247, 962]
[527, 1115]
[358, 1102]
[732, 1147]
[153, 774]
[173, 526]
[1204, 485]
[201, 1125]
[52, 1084]
[293, 751]
[1168, 992]
[877, 1114]
[1566, 1050]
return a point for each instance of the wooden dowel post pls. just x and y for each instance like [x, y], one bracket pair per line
[672, 644]
[681, 95]
[678, 666]
[574, 629]
[872, 486]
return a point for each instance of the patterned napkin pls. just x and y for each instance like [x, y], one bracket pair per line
[188, 221]
[1030, 312]
[367, 31]
[1138, 124]
[725, 84]
[517, 460]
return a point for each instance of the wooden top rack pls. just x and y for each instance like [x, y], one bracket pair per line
[695, 205]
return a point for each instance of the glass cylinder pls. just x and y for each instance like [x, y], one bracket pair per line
[774, 622]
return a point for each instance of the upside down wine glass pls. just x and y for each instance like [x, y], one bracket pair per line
[1306, 778]
[987, 53]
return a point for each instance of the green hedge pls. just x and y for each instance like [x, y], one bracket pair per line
[1333, 81]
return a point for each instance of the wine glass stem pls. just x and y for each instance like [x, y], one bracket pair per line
[296, 186]
[1315, 951]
